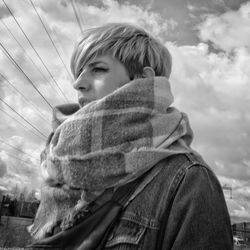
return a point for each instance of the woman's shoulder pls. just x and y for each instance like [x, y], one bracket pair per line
[179, 175]
[178, 165]
[176, 173]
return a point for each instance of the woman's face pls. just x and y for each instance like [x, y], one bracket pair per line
[99, 78]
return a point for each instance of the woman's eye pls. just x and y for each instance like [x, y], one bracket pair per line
[99, 69]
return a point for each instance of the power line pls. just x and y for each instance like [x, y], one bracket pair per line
[26, 163]
[17, 158]
[29, 102]
[29, 80]
[47, 32]
[26, 54]
[44, 77]
[55, 35]
[76, 15]
[81, 17]
[34, 49]
[22, 117]
[21, 124]
[18, 149]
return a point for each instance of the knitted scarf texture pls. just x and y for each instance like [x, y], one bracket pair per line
[107, 143]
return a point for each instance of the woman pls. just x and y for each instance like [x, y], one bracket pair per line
[123, 130]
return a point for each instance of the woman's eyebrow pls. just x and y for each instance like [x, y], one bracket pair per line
[92, 64]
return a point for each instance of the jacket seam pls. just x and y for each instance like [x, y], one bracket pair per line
[151, 223]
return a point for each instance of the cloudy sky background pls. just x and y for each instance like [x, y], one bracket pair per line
[210, 45]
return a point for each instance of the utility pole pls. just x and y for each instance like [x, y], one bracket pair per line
[1, 209]
[225, 187]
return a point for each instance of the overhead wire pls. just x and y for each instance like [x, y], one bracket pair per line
[41, 115]
[76, 15]
[11, 155]
[27, 55]
[47, 32]
[20, 69]
[22, 117]
[34, 50]
[18, 149]
[80, 16]
[19, 164]
[22, 124]
[15, 175]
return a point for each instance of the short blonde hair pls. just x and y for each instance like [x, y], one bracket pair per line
[131, 45]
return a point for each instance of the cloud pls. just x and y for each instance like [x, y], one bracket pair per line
[22, 160]
[55, 74]
[113, 11]
[3, 12]
[228, 31]
[212, 89]
[238, 204]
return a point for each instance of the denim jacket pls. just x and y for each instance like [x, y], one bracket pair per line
[183, 207]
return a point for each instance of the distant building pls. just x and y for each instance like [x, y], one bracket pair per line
[10, 206]
[242, 229]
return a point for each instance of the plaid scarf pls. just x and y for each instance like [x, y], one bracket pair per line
[107, 143]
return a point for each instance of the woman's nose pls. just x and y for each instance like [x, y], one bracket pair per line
[82, 83]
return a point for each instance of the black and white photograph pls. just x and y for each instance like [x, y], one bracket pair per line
[125, 124]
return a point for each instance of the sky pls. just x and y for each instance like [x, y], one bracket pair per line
[210, 45]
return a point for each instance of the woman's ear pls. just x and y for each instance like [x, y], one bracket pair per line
[148, 72]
